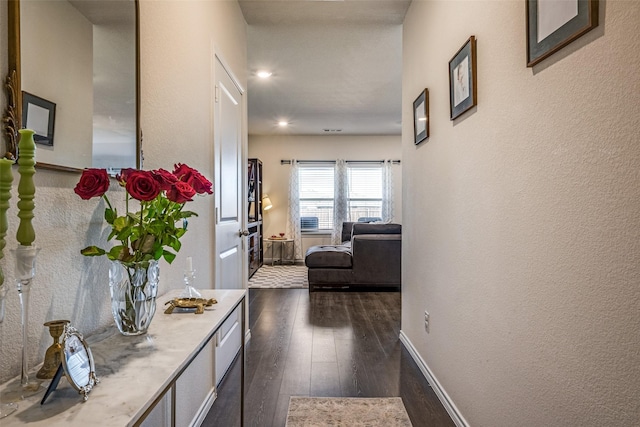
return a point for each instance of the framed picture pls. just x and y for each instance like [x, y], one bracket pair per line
[553, 24]
[421, 117]
[463, 79]
[39, 115]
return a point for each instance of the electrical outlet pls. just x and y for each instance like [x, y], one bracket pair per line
[426, 321]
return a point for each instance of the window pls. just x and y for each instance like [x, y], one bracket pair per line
[364, 200]
[316, 194]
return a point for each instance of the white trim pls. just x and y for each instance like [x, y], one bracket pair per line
[448, 404]
[228, 69]
[204, 408]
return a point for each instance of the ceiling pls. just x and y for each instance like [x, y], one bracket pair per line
[337, 66]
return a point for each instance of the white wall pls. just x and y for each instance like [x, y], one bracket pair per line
[522, 220]
[275, 177]
[178, 38]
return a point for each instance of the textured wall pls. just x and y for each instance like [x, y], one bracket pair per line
[275, 177]
[522, 219]
[177, 125]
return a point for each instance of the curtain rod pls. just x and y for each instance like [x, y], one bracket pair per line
[288, 162]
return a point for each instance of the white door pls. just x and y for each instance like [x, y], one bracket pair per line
[229, 255]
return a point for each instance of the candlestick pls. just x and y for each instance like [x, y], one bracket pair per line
[26, 188]
[189, 279]
[6, 178]
[25, 272]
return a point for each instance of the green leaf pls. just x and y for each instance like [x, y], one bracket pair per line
[120, 223]
[117, 253]
[187, 214]
[168, 256]
[174, 243]
[92, 251]
[110, 215]
[124, 233]
[158, 252]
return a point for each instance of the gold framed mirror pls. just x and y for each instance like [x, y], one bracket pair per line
[82, 56]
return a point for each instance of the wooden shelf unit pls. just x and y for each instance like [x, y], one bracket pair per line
[254, 220]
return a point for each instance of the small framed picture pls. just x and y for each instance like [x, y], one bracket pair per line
[553, 24]
[39, 115]
[463, 79]
[421, 117]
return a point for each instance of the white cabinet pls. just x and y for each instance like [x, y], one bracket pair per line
[164, 378]
[228, 342]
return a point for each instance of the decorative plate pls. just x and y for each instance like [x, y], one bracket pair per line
[198, 303]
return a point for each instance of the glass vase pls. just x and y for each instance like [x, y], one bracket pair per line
[134, 288]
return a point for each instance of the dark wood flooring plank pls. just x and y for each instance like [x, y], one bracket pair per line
[325, 379]
[323, 344]
[274, 334]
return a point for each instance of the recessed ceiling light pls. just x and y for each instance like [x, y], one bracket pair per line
[282, 123]
[264, 74]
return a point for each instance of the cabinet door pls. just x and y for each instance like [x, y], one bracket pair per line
[228, 342]
[195, 389]
[160, 415]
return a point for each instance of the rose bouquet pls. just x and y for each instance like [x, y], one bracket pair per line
[154, 231]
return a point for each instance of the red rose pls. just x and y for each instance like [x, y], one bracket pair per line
[165, 178]
[142, 185]
[181, 192]
[200, 183]
[182, 171]
[123, 176]
[93, 183]
[194, 178]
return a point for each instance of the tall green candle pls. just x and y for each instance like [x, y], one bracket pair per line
[26, 188]
[6, 178]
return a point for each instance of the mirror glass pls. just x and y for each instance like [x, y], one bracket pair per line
[81, 56]
[77, 362]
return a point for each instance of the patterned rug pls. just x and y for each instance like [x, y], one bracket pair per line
[280, 277]
[347, 411]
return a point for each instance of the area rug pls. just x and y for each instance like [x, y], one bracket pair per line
[280, 277]
[347, 411]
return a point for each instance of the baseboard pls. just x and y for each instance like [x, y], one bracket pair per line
[448, 404]
[205, 408]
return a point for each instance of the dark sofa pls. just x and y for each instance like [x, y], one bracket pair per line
[369, 257]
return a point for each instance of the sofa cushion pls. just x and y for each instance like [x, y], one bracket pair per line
[329, 256]
[365, 228]
[347, 227]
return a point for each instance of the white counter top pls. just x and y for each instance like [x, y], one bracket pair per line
[133, 371]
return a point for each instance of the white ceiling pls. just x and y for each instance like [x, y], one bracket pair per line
[336, 65]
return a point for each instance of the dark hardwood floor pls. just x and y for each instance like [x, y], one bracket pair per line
[323, 344]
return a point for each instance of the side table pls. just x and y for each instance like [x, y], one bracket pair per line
[287, 250]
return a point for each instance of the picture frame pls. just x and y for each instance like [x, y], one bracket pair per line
[77, 365]
[421, 117]
[463, 79]
[552, 25]
[39, 115]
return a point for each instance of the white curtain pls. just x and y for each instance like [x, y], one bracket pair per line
[293, 219]
[387, 192]
[341, 193]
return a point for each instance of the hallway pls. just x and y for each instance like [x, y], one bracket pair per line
[323, 344]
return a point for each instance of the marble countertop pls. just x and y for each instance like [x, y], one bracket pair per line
[133, 371]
